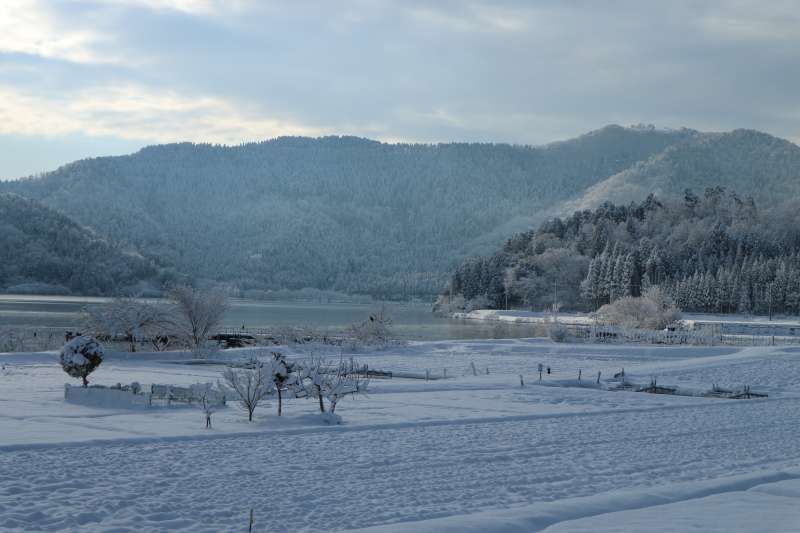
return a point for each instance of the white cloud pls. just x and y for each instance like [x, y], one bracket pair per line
[193, 7]
[472, 18]
[136, 112]
[29, 27]
[741, 20]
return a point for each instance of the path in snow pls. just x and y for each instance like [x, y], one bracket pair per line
[322, 480]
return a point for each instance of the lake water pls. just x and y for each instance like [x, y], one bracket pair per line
[409, 321]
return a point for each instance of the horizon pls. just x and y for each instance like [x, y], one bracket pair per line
[91, 78]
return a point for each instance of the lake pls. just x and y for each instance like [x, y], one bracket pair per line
[410, 321]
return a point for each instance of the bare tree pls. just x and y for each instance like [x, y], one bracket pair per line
[251, 385]
[375, 330]
[131, 320]
[198, 313]
[319, 380]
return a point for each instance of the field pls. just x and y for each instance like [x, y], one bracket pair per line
[473, 452]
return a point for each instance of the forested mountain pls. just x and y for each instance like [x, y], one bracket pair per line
[750, 162]
[42, 247]
[716, 252]
[335, 213]
[355, 215]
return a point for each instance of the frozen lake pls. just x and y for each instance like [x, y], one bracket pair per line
[411, 321]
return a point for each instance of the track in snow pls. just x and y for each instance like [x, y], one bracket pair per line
[327, 480]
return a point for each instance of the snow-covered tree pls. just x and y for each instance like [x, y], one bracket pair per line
[130, 319]
[205, 392]
[322, 381]
[375, 330]
[282, 374]
[80, 357]
[249, 385]
[653, 310]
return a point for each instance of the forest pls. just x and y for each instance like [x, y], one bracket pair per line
[389, 220]
[44, 251]
[714, 252]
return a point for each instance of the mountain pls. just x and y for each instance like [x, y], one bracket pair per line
[44, 251]
[332, 213]
[715, 252]
[356, 215]
[750, 162]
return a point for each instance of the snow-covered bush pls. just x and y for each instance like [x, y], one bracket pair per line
[653, 310]
[558, 332]
[374, 331]
[81, 356]
[445, 305]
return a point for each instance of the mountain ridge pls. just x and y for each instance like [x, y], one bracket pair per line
[358, 215]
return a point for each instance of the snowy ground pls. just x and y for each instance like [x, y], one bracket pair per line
[467, 453]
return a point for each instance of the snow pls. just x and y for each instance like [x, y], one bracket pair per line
[525, 317]
[466, 453]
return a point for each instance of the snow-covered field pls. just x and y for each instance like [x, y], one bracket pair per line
[466, 453]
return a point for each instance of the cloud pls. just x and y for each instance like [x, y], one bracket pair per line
[30, 27]
[194, 7]
[518, 71]
[470, 17]
[135, 112]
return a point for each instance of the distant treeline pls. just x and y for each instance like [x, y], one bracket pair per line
[715, 252]
[44, 251]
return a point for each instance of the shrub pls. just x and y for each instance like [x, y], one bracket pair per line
[653, 310]
[558, 333]
[80, 357]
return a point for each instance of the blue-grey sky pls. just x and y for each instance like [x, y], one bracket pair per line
[82, 78]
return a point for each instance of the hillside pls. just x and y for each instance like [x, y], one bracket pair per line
[45, 251]
[356, 215]
[716, 252]
[335, 213]
[750, 162]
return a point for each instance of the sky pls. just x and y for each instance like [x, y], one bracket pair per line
[82, 78]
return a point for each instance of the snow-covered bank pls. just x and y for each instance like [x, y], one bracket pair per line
[524, 317]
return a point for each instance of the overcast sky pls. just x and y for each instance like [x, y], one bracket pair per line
[85, 78]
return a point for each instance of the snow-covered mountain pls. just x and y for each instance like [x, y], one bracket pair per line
[357, 215]
[45, 251]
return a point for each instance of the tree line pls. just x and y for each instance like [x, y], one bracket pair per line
[715, 252]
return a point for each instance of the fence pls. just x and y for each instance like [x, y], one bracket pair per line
[616, 334]
[134, 397]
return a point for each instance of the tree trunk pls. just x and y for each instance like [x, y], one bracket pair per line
[319, 395]
[249, 415]
[280, 403]
[85, 381]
